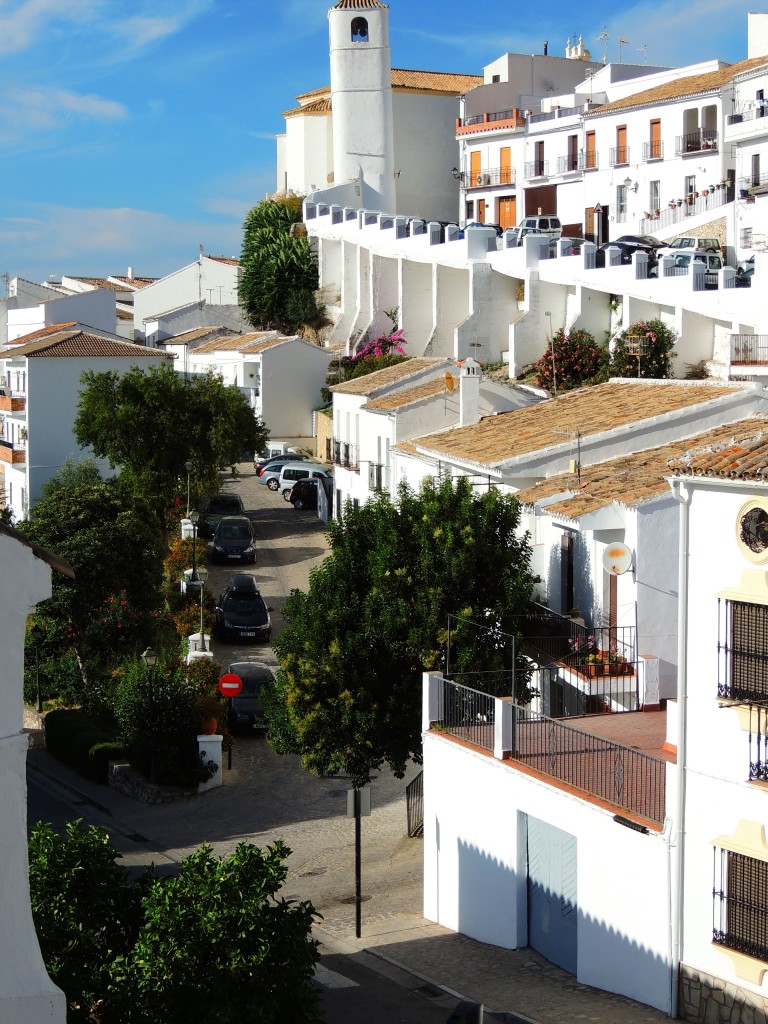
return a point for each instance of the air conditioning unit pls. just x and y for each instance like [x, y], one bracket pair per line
[484, 179]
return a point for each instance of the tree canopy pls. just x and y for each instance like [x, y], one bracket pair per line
[348, 693]
[150, 424]
[279, 268]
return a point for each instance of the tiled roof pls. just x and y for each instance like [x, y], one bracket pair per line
[591, 410]
[235, 343]
[370, 383]
[44, 332]
[230, 261]
[200, 332]
[691, 86]
[399, 399]
[79, 344]
[96, 282]
[637, 477]
[123, 314]
[318, 101]
[740, 458]
[135, 282]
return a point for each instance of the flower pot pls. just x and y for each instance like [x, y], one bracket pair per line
[208, 726]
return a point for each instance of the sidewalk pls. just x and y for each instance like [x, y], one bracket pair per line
[258, 793]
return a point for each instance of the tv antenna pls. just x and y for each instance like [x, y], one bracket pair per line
[644, 50]
[622, 43]
[575, 466]
[603, 37]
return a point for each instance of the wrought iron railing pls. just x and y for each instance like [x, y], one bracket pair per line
[653, 150]
[704, 140]
[566, 164]
[378, 476]
[588, 161]
[618, 156]
[742, 650]
[749, 348]
[492, 176]
[414, 803]
[344, 454]
[537, 168]
[468, 714]
[740, 903]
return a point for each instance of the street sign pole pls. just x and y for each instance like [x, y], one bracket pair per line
[358, 852]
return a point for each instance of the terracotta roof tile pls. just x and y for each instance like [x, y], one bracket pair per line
[79, 344]
[237, 342]
[399, 399]
[200, 332]
[370, 383]
[44, 332]
[230, 261]
[593, 410]
[740, 458]
[680, 87]
[358, 5]
[135, 282]
[632, 479]
[318, 101]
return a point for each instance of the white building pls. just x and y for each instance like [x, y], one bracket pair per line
[281, 376]
[94, 308]
[42, 387]
[27, 994]
[380, 136]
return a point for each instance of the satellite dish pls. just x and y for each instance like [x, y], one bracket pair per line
[617, 558]
[450, 382]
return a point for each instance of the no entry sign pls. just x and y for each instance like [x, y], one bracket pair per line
[230, 684]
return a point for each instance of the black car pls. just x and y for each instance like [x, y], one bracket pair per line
[627, 251]
[303, 494]
[213, 510]
[642, 241]
[233, 540]
[246, 712]
[275, 460]
[241, 613]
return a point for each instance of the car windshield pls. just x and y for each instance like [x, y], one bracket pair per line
[224, 505]
[232, 531]
[682, 243]
[245, 604]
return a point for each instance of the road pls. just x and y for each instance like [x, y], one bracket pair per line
[265, 797]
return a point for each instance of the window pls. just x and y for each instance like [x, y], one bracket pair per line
[470, 209]
[654, 147]
[654, 196]
[496, 78]
[621, 203]
[755, 169]
[742, 651]
[359, 30]
[740, 912]
[690, 184]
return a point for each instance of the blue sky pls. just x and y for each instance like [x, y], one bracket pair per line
[130, 134]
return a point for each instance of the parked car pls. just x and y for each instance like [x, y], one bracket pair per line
[547, 225]
[691, 242]
[263, 464]
[212, 512]
[245, 711]
[271, 475]
[744, 277]
[241, 613]
[572, 246]
[478, 224]
[303, 494]
[234, 541]
[744, 265]
[645, 241]
[294, 471]
[627, 251]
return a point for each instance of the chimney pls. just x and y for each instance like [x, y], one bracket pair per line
[546, 46]
[469, 393]
[130, 273]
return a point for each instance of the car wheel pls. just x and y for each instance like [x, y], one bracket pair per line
[272, 484]
[298, 503]
[287, 494]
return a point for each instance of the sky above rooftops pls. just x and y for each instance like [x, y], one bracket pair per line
[130, 135]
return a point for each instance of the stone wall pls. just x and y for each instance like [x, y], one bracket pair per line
[129, 782]
[705, 999]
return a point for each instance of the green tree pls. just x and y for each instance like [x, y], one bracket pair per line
[150, 424]
[216, 943]
[279, 269]
[348, 694]
[105, 532]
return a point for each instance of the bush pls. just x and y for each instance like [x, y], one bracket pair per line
[71, 735]
[578, 359]
[99, 757]
[180, 558]
[655, 343]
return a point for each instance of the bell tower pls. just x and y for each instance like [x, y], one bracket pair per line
[361, 100]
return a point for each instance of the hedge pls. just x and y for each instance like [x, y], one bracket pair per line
[73, 737]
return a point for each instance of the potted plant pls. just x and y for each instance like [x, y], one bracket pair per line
[210, 710]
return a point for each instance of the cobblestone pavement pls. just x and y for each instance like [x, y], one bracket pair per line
[265, 797]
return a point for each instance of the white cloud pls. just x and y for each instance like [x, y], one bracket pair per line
[23, 23]
[26, 113]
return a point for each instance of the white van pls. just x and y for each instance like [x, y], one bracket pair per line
[548, 225]
[293, 471]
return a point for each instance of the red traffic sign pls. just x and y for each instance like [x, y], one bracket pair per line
[598, 209]
[230, 684]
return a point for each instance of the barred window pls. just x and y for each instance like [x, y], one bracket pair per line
[743, 651]
[740, 911]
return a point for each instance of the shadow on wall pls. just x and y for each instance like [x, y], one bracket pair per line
[569, 581]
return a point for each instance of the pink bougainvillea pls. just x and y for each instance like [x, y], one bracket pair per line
[386, 345]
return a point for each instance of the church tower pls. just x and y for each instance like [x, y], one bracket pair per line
[361, 100]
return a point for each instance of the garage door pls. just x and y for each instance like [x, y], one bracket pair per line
[552, 906]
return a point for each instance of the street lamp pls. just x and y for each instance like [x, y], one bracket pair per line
[37, 632]
[188, 467]
[149, 657]
[202, 574]
[193, 517]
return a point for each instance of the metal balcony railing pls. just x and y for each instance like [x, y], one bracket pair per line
[653, 150]
[588, 161]
[749, 348]
[537, 168]
[492, 176]
[344, 454]
[702, 141]
[565, 164]
[378, 477]
[618, 156]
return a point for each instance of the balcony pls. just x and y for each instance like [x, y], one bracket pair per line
[378, 477]
[492, 176]
[588, 161]
[494, 120]
[653, 151]
[344, 454]
[14, 453]
[618, 156]
[749, 350]
[537, 169]
[568, 164]
[15, 402]
[703, 141]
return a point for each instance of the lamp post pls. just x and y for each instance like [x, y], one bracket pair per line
[149, 657]
[202, 573]
[36, 632]
[188, 467]
[193, 517]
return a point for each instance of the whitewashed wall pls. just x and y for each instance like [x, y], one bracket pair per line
[95, 309]
[205, 280]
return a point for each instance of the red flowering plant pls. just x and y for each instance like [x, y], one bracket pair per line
[386, 345]
[644, 350]
[179, 558]
[577, 360]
